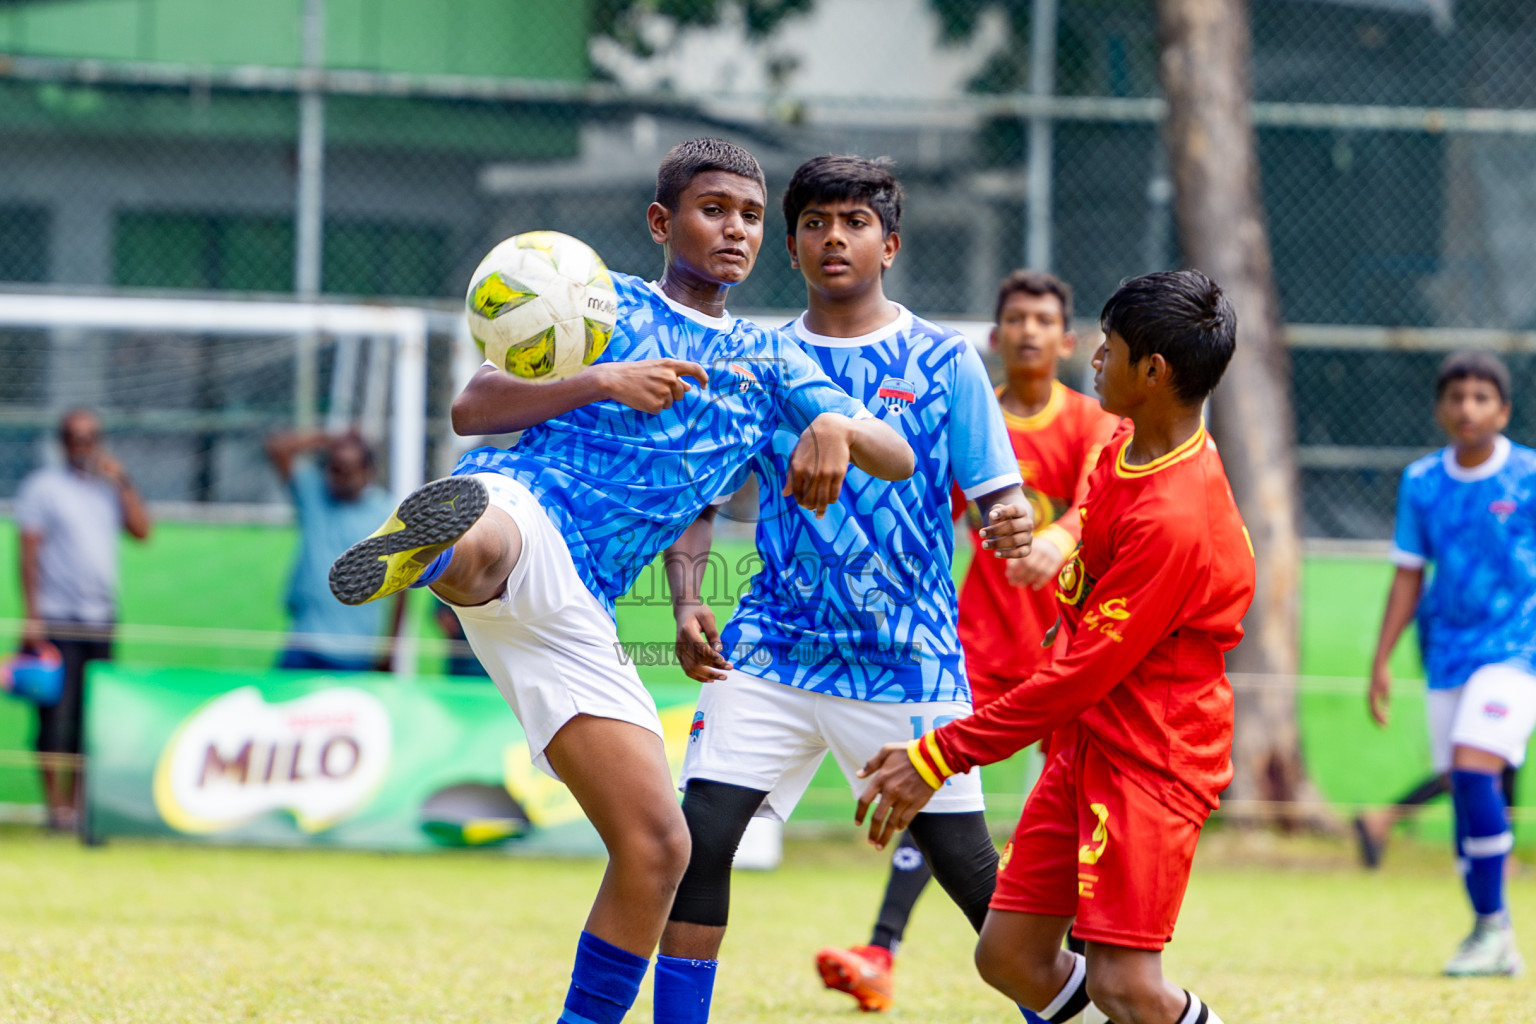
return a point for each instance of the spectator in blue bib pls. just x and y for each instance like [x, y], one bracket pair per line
[69, 518]
[334, 500]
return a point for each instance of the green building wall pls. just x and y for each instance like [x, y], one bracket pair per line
[501, 38]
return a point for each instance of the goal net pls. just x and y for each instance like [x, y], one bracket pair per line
[189, 389]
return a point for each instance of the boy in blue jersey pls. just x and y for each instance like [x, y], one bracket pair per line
[532, 545]
[848, 636]
[1470, 511]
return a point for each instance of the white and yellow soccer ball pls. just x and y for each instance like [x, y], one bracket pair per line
[541, 305]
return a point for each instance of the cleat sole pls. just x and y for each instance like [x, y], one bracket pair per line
[422, 527]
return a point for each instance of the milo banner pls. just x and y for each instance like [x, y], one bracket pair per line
[314, 759]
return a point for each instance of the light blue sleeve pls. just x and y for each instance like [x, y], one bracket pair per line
[805, 391]
[1410, 543]
[307, 487]
[980, 455]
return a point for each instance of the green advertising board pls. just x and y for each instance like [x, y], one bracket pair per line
[315, 759]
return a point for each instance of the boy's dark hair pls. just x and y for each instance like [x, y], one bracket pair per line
[1182, 316]
[832, 179]
[687, 160]
[1476, 366]
[1034, 282]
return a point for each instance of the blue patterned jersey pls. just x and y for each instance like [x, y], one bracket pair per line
[861, 603]
[621, 485]
[1477, 528]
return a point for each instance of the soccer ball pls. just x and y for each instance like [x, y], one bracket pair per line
[541, 305]
[36, 677]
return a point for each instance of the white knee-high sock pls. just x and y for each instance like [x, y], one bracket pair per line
[1069, 1002]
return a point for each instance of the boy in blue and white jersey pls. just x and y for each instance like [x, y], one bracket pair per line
[1470, 511]
[848, 637]
[532, 545]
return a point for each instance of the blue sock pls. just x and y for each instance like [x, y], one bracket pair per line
[1459, 834]
[1032, 1016]
[683, 989]
[1483, 822]
[434, 569]
[604, 982]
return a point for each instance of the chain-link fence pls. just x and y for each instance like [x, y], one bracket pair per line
[190, 392]
[1397, 142]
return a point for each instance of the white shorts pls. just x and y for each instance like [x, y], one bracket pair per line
[549, 645]
[760, 734]
[1495, 710]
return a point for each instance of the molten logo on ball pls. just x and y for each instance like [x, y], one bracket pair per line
[541, 305]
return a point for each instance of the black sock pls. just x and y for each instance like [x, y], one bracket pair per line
[1425, 791]
[909, 876]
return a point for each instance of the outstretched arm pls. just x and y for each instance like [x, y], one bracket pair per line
[820, 460]
[494, 402]
[880, 451]
[1106, 646]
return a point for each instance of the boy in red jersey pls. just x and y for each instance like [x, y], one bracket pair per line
[1152, 602]
[1006, 608]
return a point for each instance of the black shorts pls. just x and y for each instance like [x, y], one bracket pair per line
[59, 727]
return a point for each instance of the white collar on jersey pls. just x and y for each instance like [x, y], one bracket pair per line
[1483, 470]
[902, 322]
[714, 323]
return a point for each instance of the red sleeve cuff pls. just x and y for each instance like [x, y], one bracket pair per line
[941, 753]
[929, 760]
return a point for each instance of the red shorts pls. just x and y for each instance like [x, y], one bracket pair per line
[1095, 845]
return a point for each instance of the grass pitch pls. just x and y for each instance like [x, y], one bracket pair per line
[1272, 931]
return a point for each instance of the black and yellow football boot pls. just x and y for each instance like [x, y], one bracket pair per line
[422, 527]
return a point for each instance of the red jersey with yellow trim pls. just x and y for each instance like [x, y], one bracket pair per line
[1152, 603]
[1001, 625]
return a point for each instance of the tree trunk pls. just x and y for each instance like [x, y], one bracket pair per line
[1213, 155]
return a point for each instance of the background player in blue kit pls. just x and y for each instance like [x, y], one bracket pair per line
[848, 636]
[532, 545]
[1469, 510]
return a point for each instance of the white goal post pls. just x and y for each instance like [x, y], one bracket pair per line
[378, 373]
[405, 326]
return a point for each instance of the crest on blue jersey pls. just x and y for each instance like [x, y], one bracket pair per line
[745, 379]
[736, 376]
[897, 394]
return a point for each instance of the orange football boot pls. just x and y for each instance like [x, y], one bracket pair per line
[864, 972]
